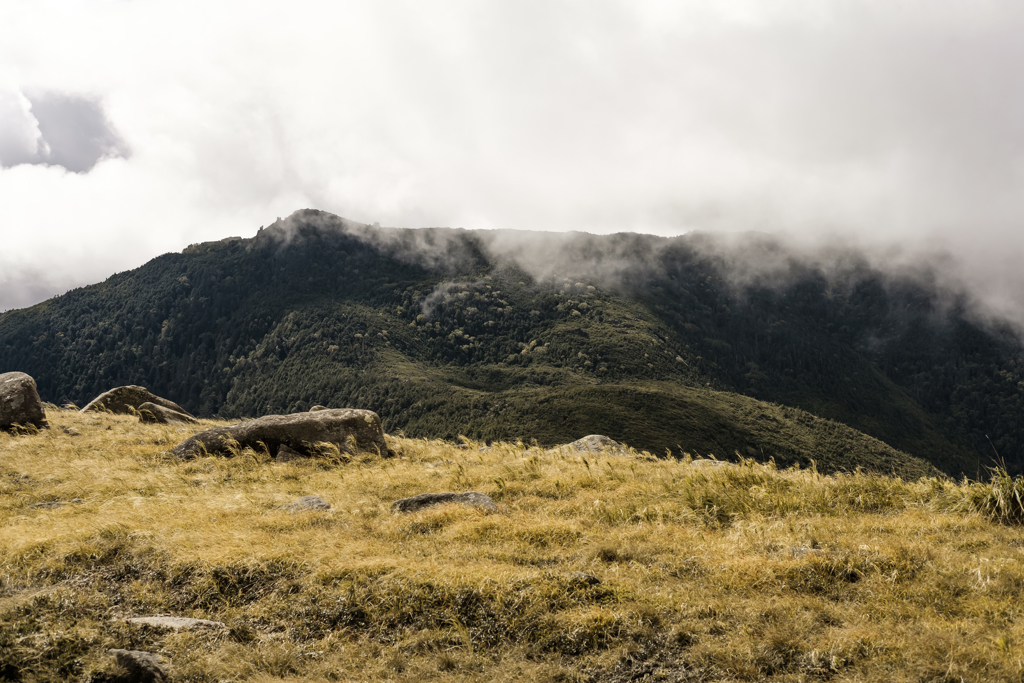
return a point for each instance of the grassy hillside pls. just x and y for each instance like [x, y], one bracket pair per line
[604, 568]
[315, 309]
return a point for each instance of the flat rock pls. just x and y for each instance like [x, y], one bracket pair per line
[50, 504]
[349, 430]
[127, 401]
[307, 503]
[151, 413]
[318, 408]
[139, 667]
[425, 500]
[20, 405]
[178, 623]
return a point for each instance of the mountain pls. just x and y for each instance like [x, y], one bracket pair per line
[686, 343]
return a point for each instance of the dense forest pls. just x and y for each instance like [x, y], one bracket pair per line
[513, 335]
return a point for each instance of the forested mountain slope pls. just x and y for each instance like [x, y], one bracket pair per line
[519, 335]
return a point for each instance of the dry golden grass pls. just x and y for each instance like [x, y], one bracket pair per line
[706, 572]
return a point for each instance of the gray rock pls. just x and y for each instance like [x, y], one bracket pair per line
[316, 408]
[50, 504]
[710, 463]
[139, 667]
[151, 413]
[425, 500]
[350, 430]
[178, 623]
[597, 443]
[307, 503]
[127, 401]
[285, 454]
[19, 402]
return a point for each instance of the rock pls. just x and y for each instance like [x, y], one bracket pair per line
[307, 503]
[710, 463]
[50, 504]
[71, 431]
[151, 413]
[316, 408]
[350, 430]
[19, 402]
[597, 443]
[285, 454]
[127, 401]
[425, 500]
[139, 667]
[178, 623]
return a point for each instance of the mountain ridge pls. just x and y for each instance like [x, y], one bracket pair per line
[316, 309]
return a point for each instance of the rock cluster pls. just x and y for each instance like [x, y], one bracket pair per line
[20, 405]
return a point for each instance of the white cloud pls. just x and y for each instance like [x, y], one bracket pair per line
[878, 121]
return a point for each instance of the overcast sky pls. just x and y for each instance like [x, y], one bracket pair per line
[133, 128]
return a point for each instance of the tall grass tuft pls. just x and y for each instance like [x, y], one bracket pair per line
[1001, 499]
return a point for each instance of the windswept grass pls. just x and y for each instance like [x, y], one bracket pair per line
[703, 572]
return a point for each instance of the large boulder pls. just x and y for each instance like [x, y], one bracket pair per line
[151, 413]
[19, 402]
[127, 401]
[348, 429]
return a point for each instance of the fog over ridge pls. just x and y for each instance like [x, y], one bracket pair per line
[614, 261]
[895, 127]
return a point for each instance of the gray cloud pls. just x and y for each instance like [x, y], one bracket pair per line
[884, 125]
[56, 129]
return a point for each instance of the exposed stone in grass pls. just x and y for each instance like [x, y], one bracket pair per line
[50, 504]
[138, 666]
[128, 399]
[286, 454]
[425, 500]
[344, 430]
[178, 623]
[19, 402]
[152, 413]
[597, 443]
[307, 503]
[710, 463]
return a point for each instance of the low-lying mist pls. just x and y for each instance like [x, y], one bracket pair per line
[987, 290]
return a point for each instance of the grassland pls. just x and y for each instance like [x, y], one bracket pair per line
[703, 572]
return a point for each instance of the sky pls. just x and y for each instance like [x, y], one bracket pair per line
[130, 128]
